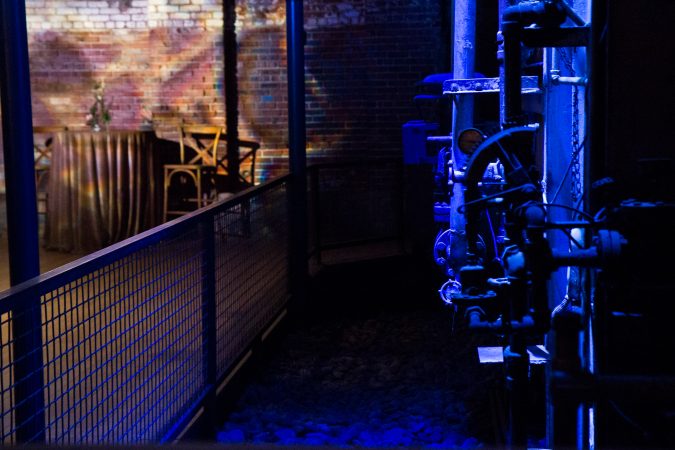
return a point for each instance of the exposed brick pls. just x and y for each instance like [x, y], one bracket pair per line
[363, 58]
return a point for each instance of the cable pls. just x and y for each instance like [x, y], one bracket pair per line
[492, 232]
[629, 420]
[560, 205]
[460, 208]
[572, 238]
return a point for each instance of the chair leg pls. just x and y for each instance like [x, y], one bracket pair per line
[199, 190]
[253, 168]
[166, 194]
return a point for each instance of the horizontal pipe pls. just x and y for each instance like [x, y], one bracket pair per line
[578, 258]
[476, 323]
[542, 12]
[556, 79]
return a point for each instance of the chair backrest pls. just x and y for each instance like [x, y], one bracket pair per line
[43, 141]
[202, 140]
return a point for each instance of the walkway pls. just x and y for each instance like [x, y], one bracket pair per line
[374, 364]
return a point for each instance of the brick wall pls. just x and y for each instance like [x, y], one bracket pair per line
[162, 56]
[362, 61]
[165, 56]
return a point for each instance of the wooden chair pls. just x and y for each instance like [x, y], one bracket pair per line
[43, 142]
[244, 179]
[190, 184]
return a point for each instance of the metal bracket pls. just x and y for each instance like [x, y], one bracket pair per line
[530, 85]
[538, 354]
[556, 79]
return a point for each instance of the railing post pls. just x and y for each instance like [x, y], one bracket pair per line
[209, 335]
[22, 227]
[316, 210]
[28, 370]
[297, 152]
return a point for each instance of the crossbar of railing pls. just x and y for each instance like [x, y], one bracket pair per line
[133, 339]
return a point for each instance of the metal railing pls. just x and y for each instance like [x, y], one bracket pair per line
[126, 344]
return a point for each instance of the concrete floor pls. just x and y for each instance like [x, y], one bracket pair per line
[48, 260]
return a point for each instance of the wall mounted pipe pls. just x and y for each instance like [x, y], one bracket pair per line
[513, 109]
[463, 61]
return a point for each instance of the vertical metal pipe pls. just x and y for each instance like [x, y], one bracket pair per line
[513, 107]
[295, 39]
[22, 225]
[231, 93]
[17, 136]
[463, 60]
[464, 51]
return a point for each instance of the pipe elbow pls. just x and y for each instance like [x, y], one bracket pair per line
[543, 13]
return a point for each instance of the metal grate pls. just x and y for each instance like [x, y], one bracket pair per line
[252, 271]
[121, 346]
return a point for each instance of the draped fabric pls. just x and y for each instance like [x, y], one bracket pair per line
[103, 188]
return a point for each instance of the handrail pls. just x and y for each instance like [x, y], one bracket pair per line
[123, 248]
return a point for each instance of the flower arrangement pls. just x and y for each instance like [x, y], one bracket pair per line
[99, 113]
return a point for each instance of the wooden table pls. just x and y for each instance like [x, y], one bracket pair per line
[103, 187]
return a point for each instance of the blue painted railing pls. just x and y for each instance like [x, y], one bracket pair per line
[130, 344]
[133, 340]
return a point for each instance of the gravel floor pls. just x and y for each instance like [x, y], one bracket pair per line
[374, 363]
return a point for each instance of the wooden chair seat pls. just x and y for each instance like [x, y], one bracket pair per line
[190, 184]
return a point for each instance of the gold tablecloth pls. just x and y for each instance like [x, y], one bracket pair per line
[103, 188]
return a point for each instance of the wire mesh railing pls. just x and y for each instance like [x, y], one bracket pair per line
[122, 345]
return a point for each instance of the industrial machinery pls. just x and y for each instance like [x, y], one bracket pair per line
[584, 274]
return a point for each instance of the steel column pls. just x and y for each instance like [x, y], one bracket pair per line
[22, 224]
[231, 94]
[464, 50]
[295, 38]
[17, 136]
